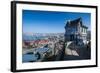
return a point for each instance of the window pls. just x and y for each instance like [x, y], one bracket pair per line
[82, 30]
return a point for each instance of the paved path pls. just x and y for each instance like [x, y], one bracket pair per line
[78, 53]
[71, 52]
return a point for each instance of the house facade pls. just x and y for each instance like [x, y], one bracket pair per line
[75, 30]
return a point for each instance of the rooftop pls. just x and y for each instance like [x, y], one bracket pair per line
[73, 23]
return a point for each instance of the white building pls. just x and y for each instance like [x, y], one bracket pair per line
[75, 30]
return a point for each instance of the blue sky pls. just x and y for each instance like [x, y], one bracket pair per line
[49, 21]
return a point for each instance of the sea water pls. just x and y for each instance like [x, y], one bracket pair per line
[32, 57]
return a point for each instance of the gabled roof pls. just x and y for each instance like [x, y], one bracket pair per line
[74, 23]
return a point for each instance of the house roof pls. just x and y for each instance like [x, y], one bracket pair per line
[85, 26]
[75, 22]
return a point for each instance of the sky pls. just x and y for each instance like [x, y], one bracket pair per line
[50, 21]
